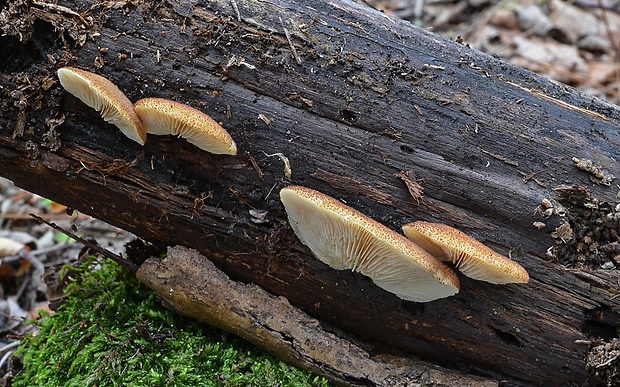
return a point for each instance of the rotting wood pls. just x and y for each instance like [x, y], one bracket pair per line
[363, 82]
[191, 284]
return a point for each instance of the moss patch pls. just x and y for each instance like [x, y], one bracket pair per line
[113, 331]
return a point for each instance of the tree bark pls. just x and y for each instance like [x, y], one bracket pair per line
[194, 286]
[349, 97]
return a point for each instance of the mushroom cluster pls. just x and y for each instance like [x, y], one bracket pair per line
[344, 238]
[149, 115]
[338, 235]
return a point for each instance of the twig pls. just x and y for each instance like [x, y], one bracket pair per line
[608, 362]
[5, 357]
[93, 246]
[290, 42]
[59, 9]
[234, 5]
[255, 165]
[13, 216]
[10, 346]
[195, 287]
[271, 190]
[23, 286]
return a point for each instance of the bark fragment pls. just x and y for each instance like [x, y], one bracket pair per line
[190, 283]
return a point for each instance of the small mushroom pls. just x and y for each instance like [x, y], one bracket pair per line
[163, 117]
[471, 257]
[103, 96]
[344, 238]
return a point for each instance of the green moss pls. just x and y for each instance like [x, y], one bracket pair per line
[113, 331]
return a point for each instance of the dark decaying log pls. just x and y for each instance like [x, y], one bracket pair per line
[350, 98]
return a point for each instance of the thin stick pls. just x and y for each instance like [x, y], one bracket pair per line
[13, 216]
[290, 42]
[234, 5]
[132, 267]
[59, 9]
[10, 346]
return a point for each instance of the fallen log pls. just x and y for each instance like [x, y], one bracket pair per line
[352, 102]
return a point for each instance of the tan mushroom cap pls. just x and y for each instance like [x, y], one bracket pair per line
[344, 238]
[103, 96]
[473, 259]
[163, 117]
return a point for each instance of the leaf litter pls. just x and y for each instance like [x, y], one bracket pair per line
[31, 255]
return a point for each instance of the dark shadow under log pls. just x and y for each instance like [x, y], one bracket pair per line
[361, 98]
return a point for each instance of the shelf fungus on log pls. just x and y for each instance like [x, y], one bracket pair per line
[164, 117]
[344, 238]
[471, 257]
[103, 96]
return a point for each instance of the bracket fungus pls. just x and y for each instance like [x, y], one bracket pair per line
[471, 257]
[163, 117]
[103, 96]
[344, 238]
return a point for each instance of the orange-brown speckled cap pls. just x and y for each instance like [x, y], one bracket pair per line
[163, 117]
[344, 238]
[103, 96]
[471, 257]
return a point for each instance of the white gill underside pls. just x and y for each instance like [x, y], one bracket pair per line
[80, 88]
[342, 246]
[475, 269]
[155, 123]
[112, 115]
